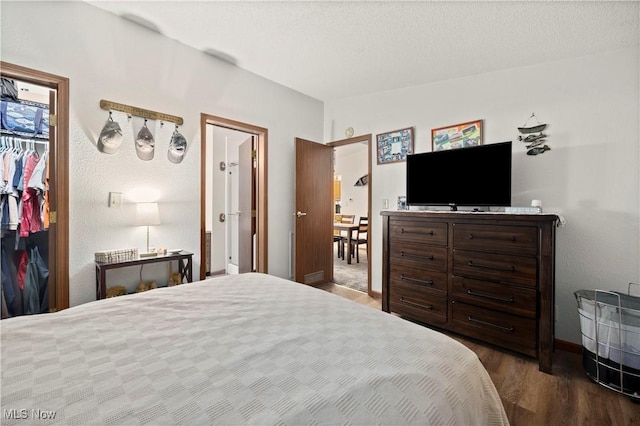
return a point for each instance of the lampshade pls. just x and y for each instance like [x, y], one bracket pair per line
[147, 214]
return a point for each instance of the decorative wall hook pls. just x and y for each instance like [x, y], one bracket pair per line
[140, 112]
[534, 136]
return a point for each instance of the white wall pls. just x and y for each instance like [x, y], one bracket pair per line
[106, 57]
[351, 164]
[591, 175]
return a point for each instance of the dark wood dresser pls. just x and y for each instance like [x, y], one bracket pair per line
[489, 276]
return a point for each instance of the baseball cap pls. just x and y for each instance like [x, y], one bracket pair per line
[145, 143]
[177, 147]
[110, 137]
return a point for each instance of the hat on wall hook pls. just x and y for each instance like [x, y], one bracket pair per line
[177, 147]
[110, 137]
[145, 143]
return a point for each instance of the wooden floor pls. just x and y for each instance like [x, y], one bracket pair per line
[530, 397]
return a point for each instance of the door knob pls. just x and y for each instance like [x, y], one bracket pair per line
[299, 214]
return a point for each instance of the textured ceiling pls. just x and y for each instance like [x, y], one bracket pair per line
[329, 50]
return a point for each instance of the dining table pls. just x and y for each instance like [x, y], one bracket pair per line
[349, 228]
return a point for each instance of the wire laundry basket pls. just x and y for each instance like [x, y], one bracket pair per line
[610, 326]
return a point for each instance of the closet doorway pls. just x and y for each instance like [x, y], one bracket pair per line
[233, 197]
[49, 98]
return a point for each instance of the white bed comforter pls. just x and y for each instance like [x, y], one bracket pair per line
[247, 349]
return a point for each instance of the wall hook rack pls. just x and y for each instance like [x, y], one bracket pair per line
[140, 112]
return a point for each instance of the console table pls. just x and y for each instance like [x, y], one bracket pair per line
[185, 267]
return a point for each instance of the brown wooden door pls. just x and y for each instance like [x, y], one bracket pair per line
[245, 191]
[314, 213]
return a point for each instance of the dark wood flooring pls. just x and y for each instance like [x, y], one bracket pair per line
[530, 397]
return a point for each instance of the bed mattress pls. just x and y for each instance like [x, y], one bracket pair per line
[244, 349]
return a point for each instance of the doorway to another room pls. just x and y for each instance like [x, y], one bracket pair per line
[351, 198]
[233, 197]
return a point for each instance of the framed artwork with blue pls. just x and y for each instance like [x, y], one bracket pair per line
[394, 146]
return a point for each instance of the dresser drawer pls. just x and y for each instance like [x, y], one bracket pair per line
[496, 238]
[416, 255]
[510, 331]
[418, 306]
[503, 297]
[418, 231]
[420, 280]
[495, 267]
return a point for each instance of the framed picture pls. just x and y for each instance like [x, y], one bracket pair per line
[457, 136]
[394, 146]
[402, 203]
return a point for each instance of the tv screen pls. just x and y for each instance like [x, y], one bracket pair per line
[475, 176]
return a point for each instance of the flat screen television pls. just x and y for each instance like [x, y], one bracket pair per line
[475, 176]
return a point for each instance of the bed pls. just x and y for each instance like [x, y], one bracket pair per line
[241, 349]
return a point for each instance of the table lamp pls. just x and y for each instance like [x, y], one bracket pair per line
[147, 214]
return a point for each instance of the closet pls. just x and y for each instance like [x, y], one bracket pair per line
[25, 219]
[34, 222]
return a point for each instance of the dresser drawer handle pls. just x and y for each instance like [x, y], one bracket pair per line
[470, 318]
[416, 256]
[488, 296]
[418, 305]
[499, 268]
[402, 231]
[512, 238]
[427, 282]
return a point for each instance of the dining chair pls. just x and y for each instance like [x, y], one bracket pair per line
[361, 237]
[345, 218]
[337, 237]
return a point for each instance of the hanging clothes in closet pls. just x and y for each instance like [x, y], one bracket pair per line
[24, 222]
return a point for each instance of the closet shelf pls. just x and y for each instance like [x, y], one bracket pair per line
[24, 135]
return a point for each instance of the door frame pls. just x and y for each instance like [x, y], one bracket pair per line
[261, 186]
[59, 193]
[357, 139]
